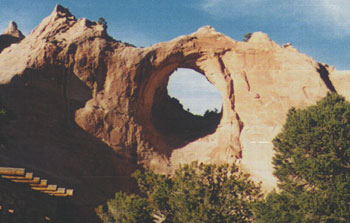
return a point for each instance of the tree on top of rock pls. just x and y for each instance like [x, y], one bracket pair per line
[247, 36]
[102, 22]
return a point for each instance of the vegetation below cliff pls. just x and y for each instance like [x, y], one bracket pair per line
[312, 163]
[196, 193]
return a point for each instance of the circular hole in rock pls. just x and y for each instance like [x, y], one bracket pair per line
[189, 109]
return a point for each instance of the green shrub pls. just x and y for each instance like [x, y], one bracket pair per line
[247, 36]
[102, 22]
[126, 209]
[312, 163]
[196, 193]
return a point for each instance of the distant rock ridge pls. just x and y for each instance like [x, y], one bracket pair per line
[13, 30]
[10, 35]
[87, 106]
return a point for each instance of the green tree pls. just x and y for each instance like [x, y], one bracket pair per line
[210, 193]
[211, 113]
[196, 193]
[247, 36]
[102, 22]
[312, 163]
[125, 209]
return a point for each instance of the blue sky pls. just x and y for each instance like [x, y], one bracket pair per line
[194, 91]
[319, 28]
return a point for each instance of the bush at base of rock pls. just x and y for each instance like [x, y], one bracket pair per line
[312, 163]
[196, 193]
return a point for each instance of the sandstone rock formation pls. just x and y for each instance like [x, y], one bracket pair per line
[13, 30]
[88, 109]
[341, 82]
[10, 35]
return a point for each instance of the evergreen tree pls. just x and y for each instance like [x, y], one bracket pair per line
[125, 209]
[312, 163]
[102, 22]
[197, 193]
[247, 36]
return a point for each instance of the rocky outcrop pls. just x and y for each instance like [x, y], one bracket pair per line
[10, 35]
[341, 82]
[88, 109]
[13, 30]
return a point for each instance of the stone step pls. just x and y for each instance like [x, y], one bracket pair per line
[42, 183]
[35, 180]
[59, 190]
[19, 175]
[69, 193]
[12, 171]
[49, 187]
[27, 176]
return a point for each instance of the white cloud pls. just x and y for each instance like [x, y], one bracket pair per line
[329, 15]
[334, 15]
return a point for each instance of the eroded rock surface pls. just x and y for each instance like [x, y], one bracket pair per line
[11, 35]
[13, 30]
[88, 109]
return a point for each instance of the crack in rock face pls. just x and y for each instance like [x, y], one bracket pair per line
[102, 106]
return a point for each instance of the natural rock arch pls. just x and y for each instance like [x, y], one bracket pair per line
[176, 125]
[153, 89]
[115, 87]
[157, 102]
